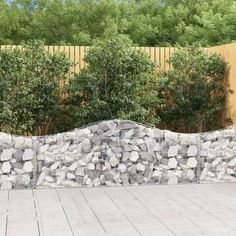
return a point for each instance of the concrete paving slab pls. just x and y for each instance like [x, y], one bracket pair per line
[180, 210]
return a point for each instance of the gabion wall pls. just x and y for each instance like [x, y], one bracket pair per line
[117, 152]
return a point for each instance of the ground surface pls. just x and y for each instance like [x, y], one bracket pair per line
[208, 209]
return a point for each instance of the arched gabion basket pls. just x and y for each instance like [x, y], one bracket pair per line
[117, 152]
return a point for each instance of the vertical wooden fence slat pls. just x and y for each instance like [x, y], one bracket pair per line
[72, 57]
[162, 65]
[159, 56]
[56, 49]
[66, 50]
[147, 50]
[50, 49]
[155, 59]
[172, 51]
[86, 48]
[77, 66]
[46, 48]
[152, 54]
[167, 56]
[163, 49]
[156, 51]
[61, 49]
[81, 58]
[142, 49]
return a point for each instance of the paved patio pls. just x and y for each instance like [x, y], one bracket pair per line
[208, 209]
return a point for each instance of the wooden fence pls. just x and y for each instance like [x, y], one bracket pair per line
[160, 55]
[228, 53]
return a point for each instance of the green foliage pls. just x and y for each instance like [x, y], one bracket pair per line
[118, 83]
[193, 92]
[30, 88]
[111, 86]
[146, 22]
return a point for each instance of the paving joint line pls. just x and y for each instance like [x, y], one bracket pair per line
[65, 213]
[127, 218]
[151, 212]
[8, 202]
[37, 201]
[36, 214]
[93, 211]
[187, 218]
[232, 228]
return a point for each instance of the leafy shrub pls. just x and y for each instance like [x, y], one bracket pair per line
[111, 86]
[30, 88]
[193, 93]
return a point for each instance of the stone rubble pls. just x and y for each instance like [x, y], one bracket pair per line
[16, 167]
[114, 153]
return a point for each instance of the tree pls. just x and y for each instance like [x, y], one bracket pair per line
[193, 93]
[111, 86]
[146, 22]
[30, 88]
